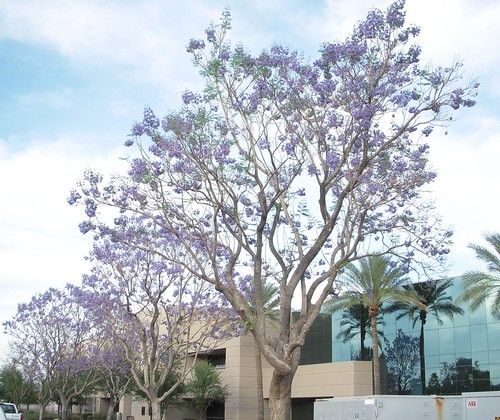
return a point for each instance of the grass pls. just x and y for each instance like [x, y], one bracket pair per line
[33, 415]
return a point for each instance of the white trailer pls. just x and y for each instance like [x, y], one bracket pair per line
[469, 406]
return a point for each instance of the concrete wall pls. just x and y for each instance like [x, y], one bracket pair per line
[311, 381]
[240, 376]
[332, 379]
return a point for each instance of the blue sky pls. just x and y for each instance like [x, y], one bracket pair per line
[75, 75]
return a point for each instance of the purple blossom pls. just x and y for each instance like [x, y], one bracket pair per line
[210, 33]
[189, 97]
[86, 227]
[74, 197]
[396, 14]
[194, 45]
[137, 129]
[150, 119]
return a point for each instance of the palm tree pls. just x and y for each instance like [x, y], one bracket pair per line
[355, 321]
[376, 281]
[478, 285]
[438, 302]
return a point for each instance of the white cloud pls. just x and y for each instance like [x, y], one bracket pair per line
[144, 41]
[40, 243]
[467, 186]
[147, 38]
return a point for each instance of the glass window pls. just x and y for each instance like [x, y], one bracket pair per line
[446, 341]
[482, 358]
[479, 337]
[495, 373]
[405, 324]
[462, 319]
[488, 304]
[431, 323]
[431, 342]
[494, 336]
[462, 339]
[341, 352]
[433, 381]
[389, 325]
[494, 356]
[432, 362]
[495, 370]
[447, 358]
[465, 358]
[478, 316]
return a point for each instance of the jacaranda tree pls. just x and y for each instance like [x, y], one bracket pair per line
[288, 169]
[51, 335]
[113, 372]
[143, 293]
[37, 369]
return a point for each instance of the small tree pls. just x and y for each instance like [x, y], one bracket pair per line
[174, 398]
[14, 385]
[37, 368]
[206, 388]
[113, 370]
[402, 358]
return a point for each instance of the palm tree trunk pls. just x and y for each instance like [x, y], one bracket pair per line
[362, 329]
[422, 358]
[375, 362]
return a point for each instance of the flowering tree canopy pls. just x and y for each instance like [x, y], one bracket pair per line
[287, 170]
[145, 298]
[51, 335]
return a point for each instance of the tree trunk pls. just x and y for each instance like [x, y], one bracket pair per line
[362, 333]
[111, 408]
[280, 395]
[64, 407]
[422, 357]
[260, 384]
[376, 362]
[41, 413]
[155, 410]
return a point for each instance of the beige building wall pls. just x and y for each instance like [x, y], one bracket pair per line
[311, 381]
[240, 376]
[340, 379]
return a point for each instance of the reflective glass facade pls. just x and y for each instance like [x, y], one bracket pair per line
[461, 354]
